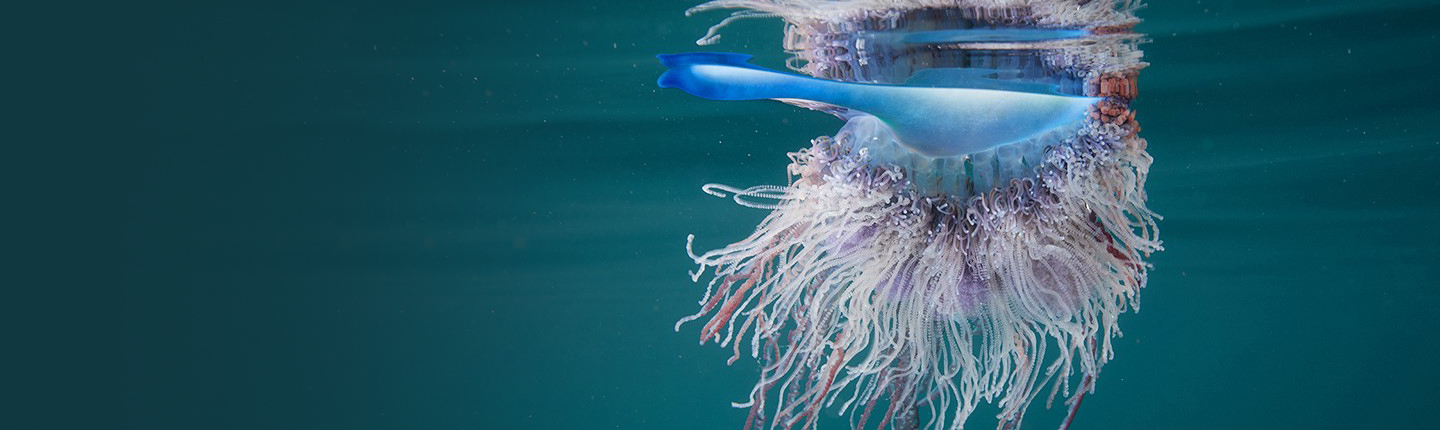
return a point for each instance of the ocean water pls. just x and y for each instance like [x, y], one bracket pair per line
[470, 215]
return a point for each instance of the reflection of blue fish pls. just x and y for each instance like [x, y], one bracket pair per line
[971, 35]
[933, 121]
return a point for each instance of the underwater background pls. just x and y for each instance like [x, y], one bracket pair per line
[472, 215]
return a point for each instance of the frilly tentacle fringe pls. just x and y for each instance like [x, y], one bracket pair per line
[854, 290]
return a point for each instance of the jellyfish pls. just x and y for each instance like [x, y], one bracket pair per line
[970, 236]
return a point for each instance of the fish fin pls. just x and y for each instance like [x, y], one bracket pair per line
[717, 58]
[727, 76]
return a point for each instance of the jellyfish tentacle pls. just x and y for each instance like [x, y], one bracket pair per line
[1075, 402]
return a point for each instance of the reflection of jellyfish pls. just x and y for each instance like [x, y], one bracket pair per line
[972, 234]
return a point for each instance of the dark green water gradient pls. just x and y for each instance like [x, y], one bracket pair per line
[469, 215]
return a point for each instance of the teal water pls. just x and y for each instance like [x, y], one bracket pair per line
[468, 215]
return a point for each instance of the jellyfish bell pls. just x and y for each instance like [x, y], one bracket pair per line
[970, 235]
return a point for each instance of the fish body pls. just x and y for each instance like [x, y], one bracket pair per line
[933, 121]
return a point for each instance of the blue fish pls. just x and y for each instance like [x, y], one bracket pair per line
[933, 121]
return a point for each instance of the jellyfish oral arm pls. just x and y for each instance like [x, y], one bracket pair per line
[934, 121]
